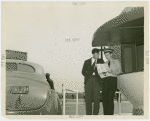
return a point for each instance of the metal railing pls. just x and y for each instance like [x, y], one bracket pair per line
[76, 91]
[119, 101]
[64, 99]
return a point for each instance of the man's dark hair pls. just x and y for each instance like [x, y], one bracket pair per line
[95, 50]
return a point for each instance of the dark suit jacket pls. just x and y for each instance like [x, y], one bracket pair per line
[88, 69]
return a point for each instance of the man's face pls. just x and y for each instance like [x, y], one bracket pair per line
[108, 56]
[96, 55]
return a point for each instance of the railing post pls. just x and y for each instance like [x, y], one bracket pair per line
[64, 99]
[119, 104]
[76, 102]
[64, 96]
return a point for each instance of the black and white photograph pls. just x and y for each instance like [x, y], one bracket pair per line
[75, 59]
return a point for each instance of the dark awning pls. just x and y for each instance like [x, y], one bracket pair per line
[125, 19]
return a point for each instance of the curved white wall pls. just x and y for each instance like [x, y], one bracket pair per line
[132, 86]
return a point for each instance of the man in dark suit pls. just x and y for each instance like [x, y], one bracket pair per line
[92, 82]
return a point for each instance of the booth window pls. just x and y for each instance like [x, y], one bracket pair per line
[132, 50]
[132, 58]
[128, 58]
[140, 57]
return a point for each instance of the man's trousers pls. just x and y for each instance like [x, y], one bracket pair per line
[109, 86]
[92, 94]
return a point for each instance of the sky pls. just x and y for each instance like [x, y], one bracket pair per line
[57, 35]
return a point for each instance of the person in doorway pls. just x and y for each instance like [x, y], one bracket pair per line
[50, 81]
[109, 83]
[92, 83]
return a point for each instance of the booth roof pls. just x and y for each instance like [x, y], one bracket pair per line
[129, 14]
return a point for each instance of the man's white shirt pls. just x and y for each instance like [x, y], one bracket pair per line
[93, 60]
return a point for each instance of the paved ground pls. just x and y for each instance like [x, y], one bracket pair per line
[126, 108]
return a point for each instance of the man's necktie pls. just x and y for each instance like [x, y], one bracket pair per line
[95, 68]
[109, 63]
[96, 72]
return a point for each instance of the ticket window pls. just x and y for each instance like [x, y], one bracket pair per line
[128, 58]
[140, 57]
[132, 58]
[132, 49]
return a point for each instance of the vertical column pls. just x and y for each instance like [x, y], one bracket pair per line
[77, 103]
[101, 52]
[119, 104]
[64, 91]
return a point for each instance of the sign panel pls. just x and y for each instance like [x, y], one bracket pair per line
[16, 55]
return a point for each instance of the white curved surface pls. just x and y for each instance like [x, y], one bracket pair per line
[132, 86]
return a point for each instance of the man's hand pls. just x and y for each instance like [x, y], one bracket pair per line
[108, 73]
